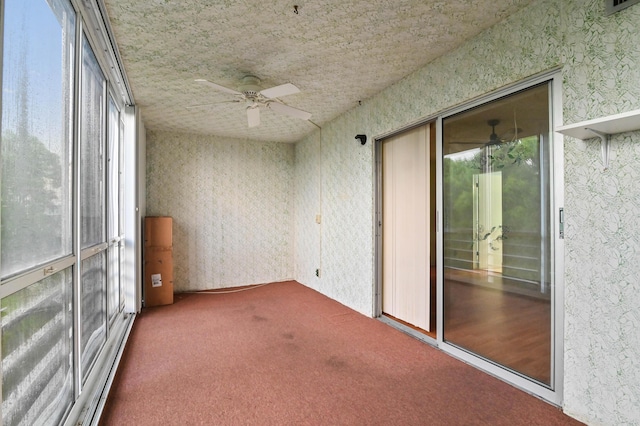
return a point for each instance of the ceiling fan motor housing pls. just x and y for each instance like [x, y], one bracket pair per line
[250, 86]
[493, 138]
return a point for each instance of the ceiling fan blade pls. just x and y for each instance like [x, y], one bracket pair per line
[253, 116]
[290, 111]
[211, 104]
[218, 87]
[278, 91]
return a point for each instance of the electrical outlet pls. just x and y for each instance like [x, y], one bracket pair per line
[318, 273]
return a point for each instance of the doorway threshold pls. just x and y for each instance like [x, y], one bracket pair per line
[411, 331]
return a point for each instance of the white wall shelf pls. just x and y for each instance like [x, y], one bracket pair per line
[612, 124]
[603, 128]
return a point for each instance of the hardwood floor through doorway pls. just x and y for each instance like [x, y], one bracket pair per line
[509, 328]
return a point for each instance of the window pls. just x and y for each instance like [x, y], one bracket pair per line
[92, 173]
[93, 310]
[57, 266]
[37, 323]
[36, 156]
[92, 208]
[37, 110]
[114, 192]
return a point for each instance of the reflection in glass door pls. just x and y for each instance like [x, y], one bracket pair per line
[496, 242]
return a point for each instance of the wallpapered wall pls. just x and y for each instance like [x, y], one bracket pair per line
[234, 202]
[232, 205]
[602, 291]
[346, 172]
[600, 61]
[334, 179]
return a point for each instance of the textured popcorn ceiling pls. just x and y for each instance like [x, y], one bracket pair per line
[337, 52]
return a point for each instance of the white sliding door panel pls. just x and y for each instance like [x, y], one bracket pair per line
[405, 211]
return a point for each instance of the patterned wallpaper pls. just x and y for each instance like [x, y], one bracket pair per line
[308, 204]
[602, 291]
[346, 175]
[234, 201]
[231, 201]
[339, 170]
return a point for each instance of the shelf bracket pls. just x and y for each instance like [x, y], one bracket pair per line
[605, 138]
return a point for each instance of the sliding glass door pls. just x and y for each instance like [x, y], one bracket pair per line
[498, 285]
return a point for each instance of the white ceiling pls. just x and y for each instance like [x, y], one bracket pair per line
[337, 52]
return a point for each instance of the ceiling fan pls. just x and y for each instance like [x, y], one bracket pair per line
[255, 98]
[494, 139]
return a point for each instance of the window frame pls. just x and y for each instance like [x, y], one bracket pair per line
[115, 87]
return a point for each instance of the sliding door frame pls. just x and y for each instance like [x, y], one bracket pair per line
[554, 392]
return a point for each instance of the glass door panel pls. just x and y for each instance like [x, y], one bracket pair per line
[496, 246]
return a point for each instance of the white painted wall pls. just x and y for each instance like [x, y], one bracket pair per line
[600, 61]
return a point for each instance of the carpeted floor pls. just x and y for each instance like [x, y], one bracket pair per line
[283, 354]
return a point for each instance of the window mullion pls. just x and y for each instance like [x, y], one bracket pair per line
[77, 382]
[22, 281]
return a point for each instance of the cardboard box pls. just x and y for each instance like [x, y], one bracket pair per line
[158, 231]
[158, 277]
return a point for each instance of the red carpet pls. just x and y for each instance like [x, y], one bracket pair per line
[283, 354]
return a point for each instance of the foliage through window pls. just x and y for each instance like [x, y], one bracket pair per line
[36, 133]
